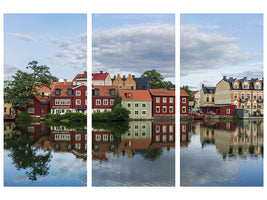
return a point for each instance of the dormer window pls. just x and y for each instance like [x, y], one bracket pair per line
[58, 91]
[258, 86]
[245, 86]
[96, 92]
[69, 91]
[235, 86]
[129, 95]
[112, 92]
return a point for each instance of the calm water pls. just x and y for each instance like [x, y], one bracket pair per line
[140, 153]
[37, 155]
[221, 153]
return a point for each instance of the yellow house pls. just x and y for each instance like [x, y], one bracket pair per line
[207, 96]
[124, 83]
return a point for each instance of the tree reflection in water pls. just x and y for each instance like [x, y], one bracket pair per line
[25, 156]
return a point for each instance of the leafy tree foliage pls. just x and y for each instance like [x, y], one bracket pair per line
[188, 91]
[157, 79]
[25, 85]
[116, 101]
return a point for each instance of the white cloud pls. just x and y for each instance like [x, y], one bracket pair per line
[135, 48]
[9, 70]
[24, 37]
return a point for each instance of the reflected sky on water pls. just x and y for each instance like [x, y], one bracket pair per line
[221, 153]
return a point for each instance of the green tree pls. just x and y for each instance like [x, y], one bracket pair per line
[25, 85]
[155, 78]
[188, 91]
[169, 84]
[117, 101]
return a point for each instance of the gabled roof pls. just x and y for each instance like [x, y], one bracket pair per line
[63, 87]
[183, 93]
[42, 99]
[80, 75]
[100, 76]
[162, 92]
[104, 90]
[208, 90]
[137, 95]
[230, 80]
[141, 83]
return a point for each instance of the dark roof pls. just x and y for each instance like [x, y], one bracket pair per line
[230, 80]
[141, 83]
[208, 90]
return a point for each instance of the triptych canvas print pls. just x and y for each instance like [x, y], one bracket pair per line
[142, 119]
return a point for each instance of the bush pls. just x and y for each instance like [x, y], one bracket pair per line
[67, 117]
[25, 116]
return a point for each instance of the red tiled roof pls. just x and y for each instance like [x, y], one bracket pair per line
[100, 76]
[63, 86]
[136, 95]
[104, 90]
[183, 93]
[80, 75]
[42, 99]
[162, 92]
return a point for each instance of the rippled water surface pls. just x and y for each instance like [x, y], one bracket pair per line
[143, 155]
[36, 155]
[221, 153]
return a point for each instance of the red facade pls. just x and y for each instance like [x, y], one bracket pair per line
[80, 96]
[39, 108]
[219, 110]
[184, 103]
[163, 102]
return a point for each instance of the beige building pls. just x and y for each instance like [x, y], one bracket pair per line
[207, 95]
[243, 93]
[127, 84]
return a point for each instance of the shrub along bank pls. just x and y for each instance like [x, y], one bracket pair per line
[66, 118]
[119, 113]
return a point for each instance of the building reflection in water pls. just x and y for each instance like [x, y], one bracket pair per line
[232, 139]
[141, 136]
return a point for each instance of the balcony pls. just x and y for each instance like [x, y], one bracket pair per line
[243, 100]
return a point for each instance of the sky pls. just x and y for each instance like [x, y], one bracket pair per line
[217, 45]
[58, 41]
[134, 43]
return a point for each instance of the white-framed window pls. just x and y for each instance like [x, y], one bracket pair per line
[58, 111]
[235, 86]
[78, 101]
[248, 105]
[164, 109]
[105, 102]
[157, 99]
[143, 105]
[67, 101]
[157, 129]
[57, 101]
[143, 126]
[248, 95]
[183, 100]
[254, 105]
[170, 100]
[85, 102]
[86, 93]
[136, 112]
[105, 137]
[184, 109]
[129, 105]
[183, 128]
[143, 112]
[243, 96]
[112, 101]
[78, 137]
[171, 128]
[255, 96]
[78, 93]
[164, 100]
[31, 110]
[246, 86]
[63, 102]
[136, 105]
[228, 111]
[136, 126]
[242, 106]
[157, 109]
[259, 105]
[164, 129]
[171, 109]
[98, 102]
[235, 95]
[77, 145]
[260, 95]
[130, 112]
[170, 138]
[30, 129]
[97, 137]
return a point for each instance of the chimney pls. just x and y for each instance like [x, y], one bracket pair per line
[202, 85]
[101, 72]
[224, 77]
[231, 77]
[123, 76]
[65, 80]
[114, 77]
[133, 76]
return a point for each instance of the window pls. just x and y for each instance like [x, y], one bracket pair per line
[96, 92]
[143, 112]
[58, 91]
[248, 95]
[235, 95]
[143, 126]
[67, 101]
[164, 109]
[30, 110]
[136, 105]
[136, 112]
[97, 137]
[260, 95]
[171, 128]
[183, 109]
[112, 92]
[120, 87]
[258, 87]
[78, 137]
[259, 105]
[86, 93]
[183, 128]
[57, 102]
[112, 101]
[212, 99]
[245, 86]
[77, 145]
[105, 102]
[183, 100]
[164, 100]
[130, 112]
[143, 134]
[158, 100]
[136, 127]
[98, 102]
[157, 129]
[69, 91]
[157, 109]
[235, 86]
[218, 110]
[143, 105]
[78, 101]
[105, 137]
[242, 106]
[129, 105]
[170, 100]
[129, 96]
[254, 105]
[248, 105]
[171, 109]
[255, 96]
[63, 101]
[78, 93]
[136, 134]
[85, 102]
[208, 99]
[243, 96]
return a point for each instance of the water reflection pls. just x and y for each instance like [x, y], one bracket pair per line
[141, 146]
[34, 149]
[221, 146]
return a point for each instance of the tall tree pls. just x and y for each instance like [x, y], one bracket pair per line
[116, 101]
[25, 85]
[188, 91]
[155, 78]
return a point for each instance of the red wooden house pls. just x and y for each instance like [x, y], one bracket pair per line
[163, 102]
[219, 109]
[184, 103]
[80, 98]
[40, 106]
[103, 97]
